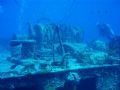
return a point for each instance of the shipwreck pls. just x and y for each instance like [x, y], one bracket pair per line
[54, 57]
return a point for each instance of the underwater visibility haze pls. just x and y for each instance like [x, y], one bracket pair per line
[59, 45]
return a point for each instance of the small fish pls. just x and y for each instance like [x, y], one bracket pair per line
[105, 31]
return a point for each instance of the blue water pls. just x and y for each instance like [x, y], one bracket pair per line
[14, 14]
[44, 51]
